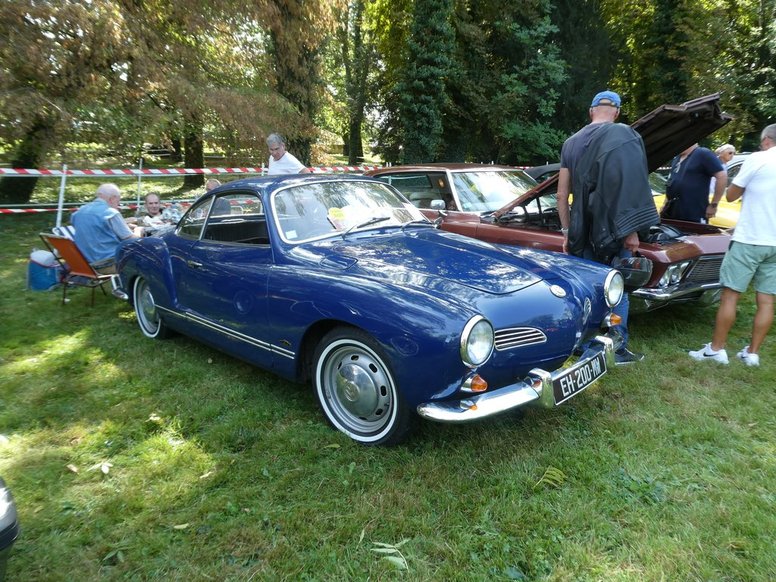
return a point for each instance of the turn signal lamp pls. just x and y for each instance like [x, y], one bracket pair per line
[474, 383]
[478, 384]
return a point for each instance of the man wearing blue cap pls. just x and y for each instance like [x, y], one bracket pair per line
[605, 165]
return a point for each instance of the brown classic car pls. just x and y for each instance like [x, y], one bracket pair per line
[503, 204]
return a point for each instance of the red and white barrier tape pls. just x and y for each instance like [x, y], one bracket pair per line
[44, 172]
[25, 210]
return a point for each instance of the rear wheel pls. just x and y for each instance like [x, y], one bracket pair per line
[356, 389]
[148, 318]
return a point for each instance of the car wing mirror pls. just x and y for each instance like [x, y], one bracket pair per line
[440, 218]
[635, 270]
[437, 204]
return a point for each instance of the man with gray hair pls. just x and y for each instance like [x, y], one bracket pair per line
[725, 153]
[280, 160]
[100, 228]
[751, 256]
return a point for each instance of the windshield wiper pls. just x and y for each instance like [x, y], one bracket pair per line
[373, 220]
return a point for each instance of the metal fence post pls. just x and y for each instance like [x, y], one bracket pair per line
[61, 202]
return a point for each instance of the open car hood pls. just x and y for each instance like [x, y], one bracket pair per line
[666, 131]
[670, 129]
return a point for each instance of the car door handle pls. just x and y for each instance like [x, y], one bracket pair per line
[194, 264]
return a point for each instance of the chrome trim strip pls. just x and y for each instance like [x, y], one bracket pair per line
[537, 386]
[230, 333]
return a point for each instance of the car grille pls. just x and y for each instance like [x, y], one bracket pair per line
[705, 270]
[517, 337]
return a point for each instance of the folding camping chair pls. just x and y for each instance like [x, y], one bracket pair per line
[77, 270]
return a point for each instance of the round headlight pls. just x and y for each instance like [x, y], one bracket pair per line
[476, 341]
[614, 287]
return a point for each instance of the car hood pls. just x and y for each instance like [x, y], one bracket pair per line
[670, 129]
[666, 131]
[436, 261]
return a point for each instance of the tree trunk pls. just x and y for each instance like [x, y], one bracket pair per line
[29, 155]
[355, 145]
[194, 154]
[177, 150]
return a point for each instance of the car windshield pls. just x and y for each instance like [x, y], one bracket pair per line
[321, 209]
[486, 191]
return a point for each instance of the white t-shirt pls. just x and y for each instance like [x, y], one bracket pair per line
[757, 221]
[287, 164]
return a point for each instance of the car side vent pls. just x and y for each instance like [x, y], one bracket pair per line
[518, 337]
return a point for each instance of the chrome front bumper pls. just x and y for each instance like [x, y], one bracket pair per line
[536, 387]
[647, 299]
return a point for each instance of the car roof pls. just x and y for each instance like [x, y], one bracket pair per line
[439, 167]
[273, 182]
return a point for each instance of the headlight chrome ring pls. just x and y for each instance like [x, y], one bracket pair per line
[477, 341]
[614, 288]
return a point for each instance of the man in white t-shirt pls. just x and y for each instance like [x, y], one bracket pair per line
[281, 161]
[752, 253]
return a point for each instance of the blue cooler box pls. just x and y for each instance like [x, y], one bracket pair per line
[43, 271]
[9, 526]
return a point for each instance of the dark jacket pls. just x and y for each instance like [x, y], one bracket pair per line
[612, 195]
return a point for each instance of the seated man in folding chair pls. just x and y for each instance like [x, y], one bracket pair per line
[99, 228]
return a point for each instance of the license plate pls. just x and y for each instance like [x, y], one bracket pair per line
[577, 378]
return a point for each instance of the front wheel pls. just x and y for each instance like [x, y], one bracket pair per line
[148, 318]
[356, 389]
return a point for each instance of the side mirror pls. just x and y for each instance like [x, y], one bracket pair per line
[437, 204]
[635, 270]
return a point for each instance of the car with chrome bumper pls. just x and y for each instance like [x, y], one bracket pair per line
[504, 205]
[340, 282]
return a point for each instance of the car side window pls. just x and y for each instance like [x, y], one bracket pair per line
[193, 221]
[237, 217]
[421, 189]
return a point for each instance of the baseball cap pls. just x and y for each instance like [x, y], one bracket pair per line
[606, 98]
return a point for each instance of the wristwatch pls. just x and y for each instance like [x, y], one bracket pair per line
[713, 204]
[564, 230]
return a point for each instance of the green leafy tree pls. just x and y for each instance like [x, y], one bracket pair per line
[675, 50]
[506, 85]
[391, 22]
[422, 88]
[358, 58]
[53, 57]
[297, 31]
[350, 64]
[589, 55]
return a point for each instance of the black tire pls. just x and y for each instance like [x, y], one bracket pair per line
[151, 323]
[357, 391]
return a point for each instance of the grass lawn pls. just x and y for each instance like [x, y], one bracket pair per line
[142, 460]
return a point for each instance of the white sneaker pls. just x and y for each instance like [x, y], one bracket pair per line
[707, 354]
[747, 358]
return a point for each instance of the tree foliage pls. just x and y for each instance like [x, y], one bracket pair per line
[52, 60]
[421, 91]
[475, 80]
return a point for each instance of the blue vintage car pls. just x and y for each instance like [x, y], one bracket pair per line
[342, 282]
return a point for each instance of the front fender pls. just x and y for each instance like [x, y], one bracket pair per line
[419, 333]
[150, 258]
